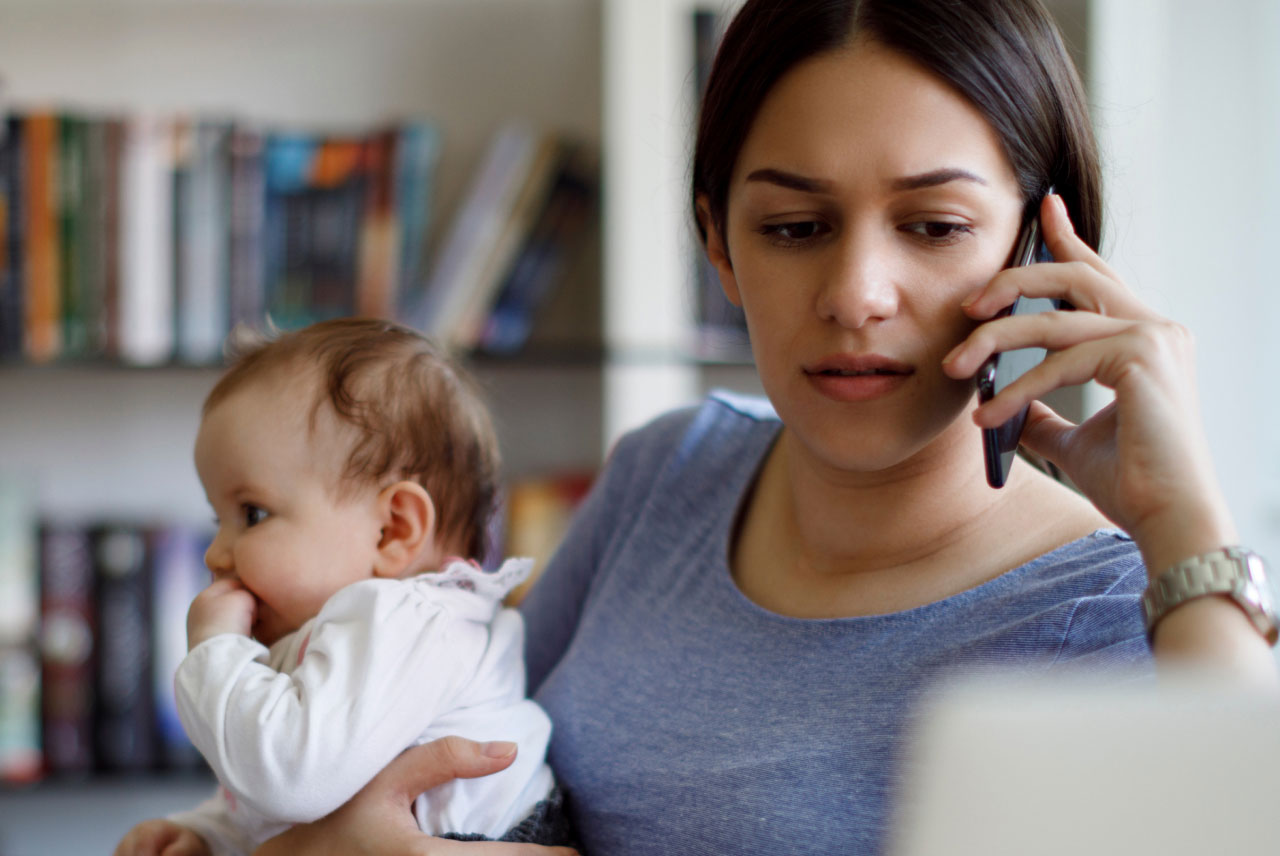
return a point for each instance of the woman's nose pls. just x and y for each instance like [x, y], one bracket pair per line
[860, 286]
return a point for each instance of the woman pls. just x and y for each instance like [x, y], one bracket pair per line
[732, 638]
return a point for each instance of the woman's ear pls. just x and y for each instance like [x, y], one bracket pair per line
[408, 518]
[717, 251]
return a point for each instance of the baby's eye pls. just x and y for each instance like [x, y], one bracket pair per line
[253, 514]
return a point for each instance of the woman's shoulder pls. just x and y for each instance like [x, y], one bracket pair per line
[722, 426]
[1105, 561]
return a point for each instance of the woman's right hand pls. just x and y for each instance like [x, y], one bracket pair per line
[379, 819]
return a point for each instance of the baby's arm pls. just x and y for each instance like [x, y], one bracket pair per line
[380, 663]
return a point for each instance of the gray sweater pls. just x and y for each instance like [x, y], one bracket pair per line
[689, 720]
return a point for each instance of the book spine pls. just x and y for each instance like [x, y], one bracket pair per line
[93, 216]
[113, 138]
[417, 158]
[66, 648]
[72, 235]
[202, 223]
[178, 575]
[379, 250]
[20, 755]
[545, 257]
[124, 708]
[247, 215]
[146, 243]
[43, 295]
[477, 225]
[333, 201]
[12, 278]
[289, 163]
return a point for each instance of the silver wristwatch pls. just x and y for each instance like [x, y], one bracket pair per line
[1232, 571]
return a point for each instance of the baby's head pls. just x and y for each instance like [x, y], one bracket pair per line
[347, 450]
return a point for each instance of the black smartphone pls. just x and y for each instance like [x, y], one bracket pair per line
[999, 445]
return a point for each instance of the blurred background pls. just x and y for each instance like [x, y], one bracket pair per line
[509, 174]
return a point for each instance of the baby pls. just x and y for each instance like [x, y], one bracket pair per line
[348, 465]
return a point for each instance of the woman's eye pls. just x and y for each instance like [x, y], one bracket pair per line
[788, 234]
[938, 231]
[253, 515]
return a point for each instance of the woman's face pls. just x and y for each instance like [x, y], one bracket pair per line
[869, 199]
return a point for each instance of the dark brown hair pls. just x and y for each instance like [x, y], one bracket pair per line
[1004, 56]
[417, 415]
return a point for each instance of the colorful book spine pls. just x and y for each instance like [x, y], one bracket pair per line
[547, 257]
[417, 157]
[202, 238]
[12, 277]
[178, 575]
[72, 236]
[43, 293]
[20, 752]
[124, 709]
[247, 225]
[146, 242]
[466, 247]
[66, 648]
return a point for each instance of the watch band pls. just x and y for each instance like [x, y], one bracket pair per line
[1232, 571]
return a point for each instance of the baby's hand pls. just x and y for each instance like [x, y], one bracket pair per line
[224, 607]
[161, 838]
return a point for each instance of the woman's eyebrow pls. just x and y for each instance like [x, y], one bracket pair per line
[807, 184]
[934, 178]
[791, 181]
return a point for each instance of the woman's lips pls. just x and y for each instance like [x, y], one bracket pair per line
[857, 377]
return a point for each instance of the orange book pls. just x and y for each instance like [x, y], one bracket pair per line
[43, 287]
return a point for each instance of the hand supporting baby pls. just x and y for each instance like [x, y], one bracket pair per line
[226, 606]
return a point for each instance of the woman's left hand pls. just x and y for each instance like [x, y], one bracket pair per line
[1143, 460]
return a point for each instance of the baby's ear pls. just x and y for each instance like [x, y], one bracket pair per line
[408, 519]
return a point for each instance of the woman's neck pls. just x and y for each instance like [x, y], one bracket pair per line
[817, 543]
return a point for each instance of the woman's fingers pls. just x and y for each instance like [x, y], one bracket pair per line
[1053, 331]
[424, 767]
[1077, 275]
[1152, 359]
[1064, 244]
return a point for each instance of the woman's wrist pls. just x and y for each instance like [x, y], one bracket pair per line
[1181, 533]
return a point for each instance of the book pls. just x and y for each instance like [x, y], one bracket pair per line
[468, 251]
[12, 277]
[547, 256]
[246, 224]
[66, 648]
[108, 251]
[314, 205]
[417, 157]
[146, 328]
[178, 574]
[124, 707]
[379, 248]
[42, 295]
[72, 235]
[20, 755]
[92, 252]
[201, 239]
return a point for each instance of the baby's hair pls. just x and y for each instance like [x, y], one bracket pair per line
[416, 414]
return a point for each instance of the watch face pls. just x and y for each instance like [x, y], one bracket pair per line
[1258, 576]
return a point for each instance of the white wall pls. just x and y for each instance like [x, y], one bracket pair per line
[1187, 100]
